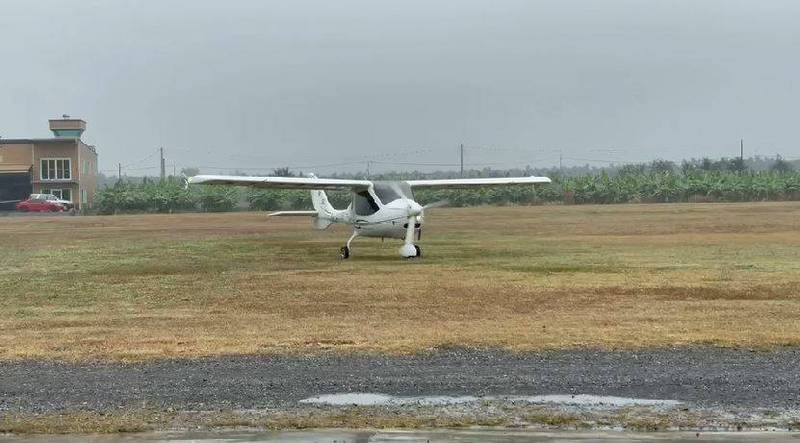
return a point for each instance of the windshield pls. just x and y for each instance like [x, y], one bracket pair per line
[387, 192]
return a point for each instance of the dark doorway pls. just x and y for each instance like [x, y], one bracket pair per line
[14, 187]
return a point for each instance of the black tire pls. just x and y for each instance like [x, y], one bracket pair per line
[345, 252]
[419, 251]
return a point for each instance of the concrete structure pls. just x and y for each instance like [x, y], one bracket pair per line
[63, 165]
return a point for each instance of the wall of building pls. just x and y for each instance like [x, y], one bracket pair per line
[61, 149]
[16, 157]
[88, 175]
[15, 179]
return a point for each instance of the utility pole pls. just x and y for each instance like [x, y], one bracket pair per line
[163, 171]
[368, 162]
[462, 159]
[120, 171]
[561, 162]
[741, 150]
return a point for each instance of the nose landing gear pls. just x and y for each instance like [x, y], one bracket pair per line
[345, 250]
[410, 250]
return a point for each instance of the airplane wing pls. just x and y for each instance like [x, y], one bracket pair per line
[476, 182]
[323, 184]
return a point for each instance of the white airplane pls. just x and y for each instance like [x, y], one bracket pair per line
[379, 209]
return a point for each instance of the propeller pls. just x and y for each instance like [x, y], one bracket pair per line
[416, 213]
[421, 216]
[437, 204]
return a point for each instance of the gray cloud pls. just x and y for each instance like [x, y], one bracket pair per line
[259, 83]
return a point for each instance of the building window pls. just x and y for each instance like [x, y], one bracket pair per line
[56, 169]
[84, 196]
[62, 194]
[67, 132]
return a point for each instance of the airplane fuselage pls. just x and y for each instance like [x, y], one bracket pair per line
[390, 220]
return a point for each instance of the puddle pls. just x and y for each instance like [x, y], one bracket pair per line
[367, 399]
[375, 399]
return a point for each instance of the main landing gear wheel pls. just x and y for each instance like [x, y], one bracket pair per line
[419, 251]
[345, 252]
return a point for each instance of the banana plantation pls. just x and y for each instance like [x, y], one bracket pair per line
[625, 186]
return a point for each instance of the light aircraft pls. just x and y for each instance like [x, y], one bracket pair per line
[379, 209]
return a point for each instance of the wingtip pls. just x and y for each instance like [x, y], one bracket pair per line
[195, 179]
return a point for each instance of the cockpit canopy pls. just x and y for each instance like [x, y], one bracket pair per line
[387, 192]
[365, 202]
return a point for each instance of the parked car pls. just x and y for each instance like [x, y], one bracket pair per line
[51, 197]
[44, 203]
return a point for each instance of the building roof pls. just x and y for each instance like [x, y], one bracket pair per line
[15, 141]
[14, 168]
[67, 120]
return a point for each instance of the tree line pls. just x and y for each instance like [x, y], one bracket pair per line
[724, 180]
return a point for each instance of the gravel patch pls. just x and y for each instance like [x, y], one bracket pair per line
[704, 377]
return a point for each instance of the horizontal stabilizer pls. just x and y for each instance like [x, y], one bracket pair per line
[293, 214]
[321, 223]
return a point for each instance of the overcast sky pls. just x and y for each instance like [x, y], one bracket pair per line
[261, 84]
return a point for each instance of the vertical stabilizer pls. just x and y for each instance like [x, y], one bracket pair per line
[321, 204]
[326, 213]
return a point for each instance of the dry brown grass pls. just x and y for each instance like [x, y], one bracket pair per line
[524, 278]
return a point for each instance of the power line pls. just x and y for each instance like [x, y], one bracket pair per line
[126, 166]
[416, 163]
[141, 168]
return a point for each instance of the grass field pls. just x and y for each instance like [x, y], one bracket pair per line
[524, 278]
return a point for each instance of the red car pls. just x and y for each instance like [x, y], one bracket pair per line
[42, 203]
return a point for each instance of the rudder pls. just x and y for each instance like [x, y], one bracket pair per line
[321, 204]
[325, 210]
